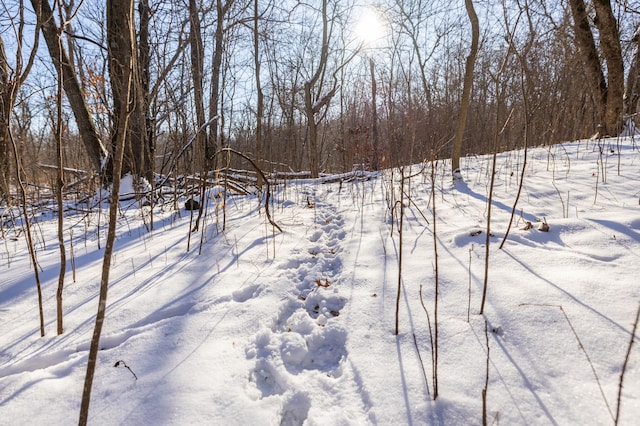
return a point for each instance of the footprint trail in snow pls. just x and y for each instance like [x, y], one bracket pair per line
[306, 340]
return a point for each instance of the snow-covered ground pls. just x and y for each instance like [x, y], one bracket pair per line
[252, 326]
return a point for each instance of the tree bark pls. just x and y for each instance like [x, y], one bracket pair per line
[59, 130]
[94, 147]
[260, 95]
[466, 89]
[632, 89]
[144, 63]
[123, 52]
[593, 68]
[311, 99]
[610, 45]
[214, 142]
[375, 163]
[197, 67]
[5, 113]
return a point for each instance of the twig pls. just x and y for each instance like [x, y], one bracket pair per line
[124, 364]
[624, 366]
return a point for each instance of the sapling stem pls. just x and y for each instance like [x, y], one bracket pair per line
[624, 365]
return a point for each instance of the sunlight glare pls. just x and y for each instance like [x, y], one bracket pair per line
[369, 28]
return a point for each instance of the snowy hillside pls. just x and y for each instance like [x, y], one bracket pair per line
[252, 326]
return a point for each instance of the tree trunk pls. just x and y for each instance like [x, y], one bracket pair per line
[375, 163]
[214, 143]
[610, 44]
[5, 113]
[144, 63]
[312, 131]
[197, 66]
[632, 90]
[311, 100]
[122, 52]
[59, 130]
[466, 89]
[260, 96]
[75, 95]
[593, 68]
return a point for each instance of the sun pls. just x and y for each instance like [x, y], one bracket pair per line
[369, 28]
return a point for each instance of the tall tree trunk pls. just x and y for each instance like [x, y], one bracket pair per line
[632, 90]
[197, 67]
[5, 113]
[59, 192]
[75, 95]
[214, 143]
[123, 51]
[375, 163]
[610, 44]
[312, 101]
[466, 89]
[144, 11]
[260, 96]
[593, 68]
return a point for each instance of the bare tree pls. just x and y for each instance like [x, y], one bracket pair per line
[587, 45]
[197, 69]
[123, 66]
[610, 45]
[59, 126]
[75, 94]
[317, 96]
[259, 93]
[214, 143]
[6, 105]
[632, 89]
[314, 99]
[10, 83]
[608, 93]
[466, 90]
[123, 48]
[144, 69]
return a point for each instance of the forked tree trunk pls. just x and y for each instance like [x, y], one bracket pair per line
[311, 99]
[608, 93]
[75, 95]
[610, 45]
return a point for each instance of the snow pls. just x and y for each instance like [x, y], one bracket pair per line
[240, 324]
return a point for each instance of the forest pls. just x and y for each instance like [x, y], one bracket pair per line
[302, 87]
[244, 129]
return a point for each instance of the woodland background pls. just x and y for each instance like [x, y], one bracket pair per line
[300, 86]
